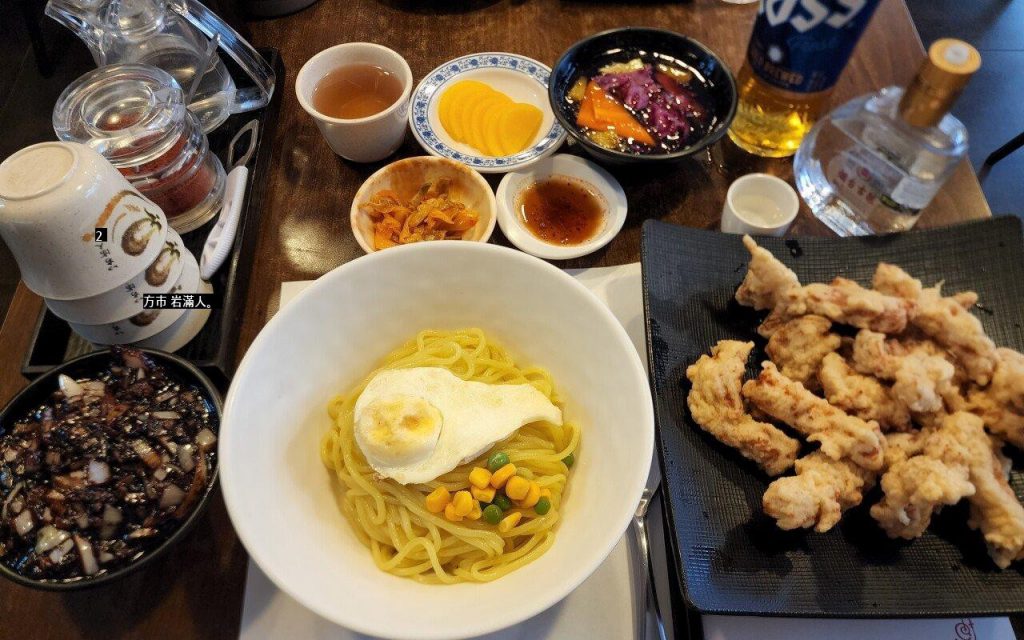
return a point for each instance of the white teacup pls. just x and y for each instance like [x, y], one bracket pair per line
[361, 139]
[125, 300]
[759, 204]
[53, 198]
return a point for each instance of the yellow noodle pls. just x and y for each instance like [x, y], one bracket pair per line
[392, 520]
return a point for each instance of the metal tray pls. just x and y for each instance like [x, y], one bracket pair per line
[213, 350]
[730, 557]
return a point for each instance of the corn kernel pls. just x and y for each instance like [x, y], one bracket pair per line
[532, 496]
[501, 476]
[475, 512]
[437, 500]
[479, 477]
[483, 495]
[463, 503]
[545, 493]
[449, 513]
[517, 488]
[509, 521]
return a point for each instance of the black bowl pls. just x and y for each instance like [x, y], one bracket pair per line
[588, 55]
[89, 365]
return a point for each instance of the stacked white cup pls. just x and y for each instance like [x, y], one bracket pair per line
[93, 247]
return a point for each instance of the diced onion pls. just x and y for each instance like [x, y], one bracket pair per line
[58, 554]
[68, 386]
[88, 558]
[99, 471]
[106, 556]
[166, 415]
[82, 521]
[94, 387]
[10, 455]
[111, 515]
[185, 458]
[172, 497]
[150, 457]
[23, 522]
[49, 537]
[205, 438]
[160, 474]
[166, 395]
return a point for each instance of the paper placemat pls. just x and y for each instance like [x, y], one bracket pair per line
[602, 607]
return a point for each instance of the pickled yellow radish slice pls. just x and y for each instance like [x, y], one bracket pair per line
[518, 127]
[454, 103]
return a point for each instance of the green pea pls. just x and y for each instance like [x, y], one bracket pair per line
[502, 502]
[523, 472]
[492, 513]
[497, 460]
[569, 460]
[543, 506]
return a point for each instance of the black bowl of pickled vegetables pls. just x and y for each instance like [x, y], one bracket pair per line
[105, 462]
[638, 95]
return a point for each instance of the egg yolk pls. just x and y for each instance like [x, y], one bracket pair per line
[399, 429]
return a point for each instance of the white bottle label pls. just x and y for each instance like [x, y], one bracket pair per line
[864, 181]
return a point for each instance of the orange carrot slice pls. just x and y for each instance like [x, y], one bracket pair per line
[600, 112]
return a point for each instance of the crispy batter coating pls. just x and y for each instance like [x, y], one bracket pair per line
[902, 446]
[818, 494]
[922, 381]
[766, 280]
[1007, 386]
[917, 487]
[846, 302]
[860, 395]
[840, 434]
[995, 509]
[946, 319]
[717, 406]
[799, 346]
[998, 417]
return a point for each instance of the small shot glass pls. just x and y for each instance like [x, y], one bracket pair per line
[759, 204]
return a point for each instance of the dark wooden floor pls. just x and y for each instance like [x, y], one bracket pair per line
[990, 107]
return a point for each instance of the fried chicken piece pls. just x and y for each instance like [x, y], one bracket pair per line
[921, 381]
[846, 302]
[767, 278]
[860, 395]
[717, 406]
[946, 319]
[818, 494]
[799, 346]
[840, 434]
[1007, 386]
[902, 446]
[997, 416]
[918, 486]
[995, 509]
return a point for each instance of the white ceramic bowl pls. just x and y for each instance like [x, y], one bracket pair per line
[280, 497]
[599, 181]
[125, 301]
[406, 176]
[146, 323]
[520, 78]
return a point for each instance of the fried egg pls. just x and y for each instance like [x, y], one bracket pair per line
[416, 424]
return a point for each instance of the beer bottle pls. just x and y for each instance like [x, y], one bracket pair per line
[796, 53]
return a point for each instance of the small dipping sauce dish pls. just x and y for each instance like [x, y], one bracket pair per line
[135, 116]
[561, 207]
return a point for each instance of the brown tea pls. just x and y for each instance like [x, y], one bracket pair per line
[356, 91]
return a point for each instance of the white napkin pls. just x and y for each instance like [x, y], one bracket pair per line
[602, 607]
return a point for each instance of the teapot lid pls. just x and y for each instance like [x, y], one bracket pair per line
[129, 113]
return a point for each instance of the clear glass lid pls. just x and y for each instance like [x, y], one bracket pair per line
[129, 113]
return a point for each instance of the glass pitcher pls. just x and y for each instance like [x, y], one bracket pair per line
[178, 36]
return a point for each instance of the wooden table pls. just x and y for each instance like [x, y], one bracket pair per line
[195, 591]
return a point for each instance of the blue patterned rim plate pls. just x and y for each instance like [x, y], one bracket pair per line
[522, 79]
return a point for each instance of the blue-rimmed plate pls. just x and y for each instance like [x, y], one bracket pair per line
[520, 78]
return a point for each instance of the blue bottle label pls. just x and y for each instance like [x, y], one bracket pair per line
[804, 45]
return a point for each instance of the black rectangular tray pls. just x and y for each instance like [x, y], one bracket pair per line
[729, 556]
[213, 349]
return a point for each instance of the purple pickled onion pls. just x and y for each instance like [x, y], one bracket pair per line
[659, 98]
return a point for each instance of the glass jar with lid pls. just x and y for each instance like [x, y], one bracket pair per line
[135, 116]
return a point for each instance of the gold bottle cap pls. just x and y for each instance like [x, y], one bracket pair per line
[939, 82]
